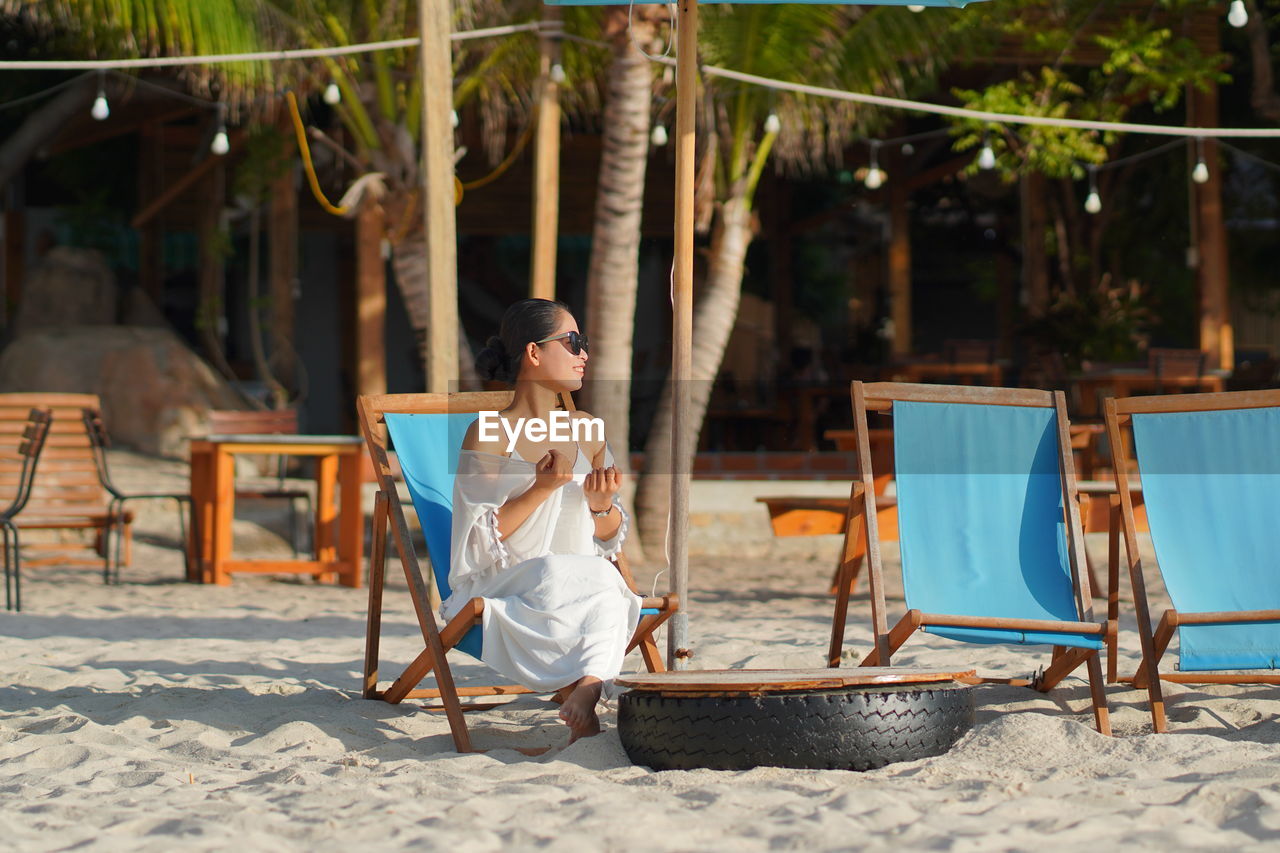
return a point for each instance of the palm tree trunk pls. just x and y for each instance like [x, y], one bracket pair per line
[409, 261]
[615, 250]
[713, 320]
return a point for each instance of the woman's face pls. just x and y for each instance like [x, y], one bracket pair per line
[554, 362]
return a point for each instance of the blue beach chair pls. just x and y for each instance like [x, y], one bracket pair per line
[990, 552]
[426, 431]
[1210, 473]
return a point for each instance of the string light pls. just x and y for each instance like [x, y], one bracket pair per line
[875, 175]
[332, 94]
[915, 8]
[101, 109]
[221, 144]
[1200, 174]
[986, 157]
[557, 74]
[1093, 202]
[1237, 15]
[453, 118]
[659, 136]
[772, 124]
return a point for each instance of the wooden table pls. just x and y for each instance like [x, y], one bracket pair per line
[1125, 382]
[339, 532]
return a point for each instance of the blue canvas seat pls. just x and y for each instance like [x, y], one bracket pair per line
[1210, 475]
[990, 553]
[426, 432]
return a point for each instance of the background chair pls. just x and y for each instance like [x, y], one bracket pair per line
[118, 540]
[1170, 365]
[1210, 469]
[268, 422]
[991, 540]
[427, 431]
[18, 474]
[67, 494]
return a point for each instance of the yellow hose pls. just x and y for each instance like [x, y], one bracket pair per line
[305, 149]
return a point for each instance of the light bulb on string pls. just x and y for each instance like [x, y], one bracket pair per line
[1200, 174]
[772, 124]
[332, 94]
[1237, 15]
[986, 157]
[875, 175]
[658, 137]
[908, 149]
[221, 144]
[557, 74]
[1093, 202]
[915, 8]
[101, 109]
[454, 121]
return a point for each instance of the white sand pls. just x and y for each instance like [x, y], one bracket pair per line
[157, 713]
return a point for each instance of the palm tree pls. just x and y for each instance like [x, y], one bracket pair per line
[885, 50]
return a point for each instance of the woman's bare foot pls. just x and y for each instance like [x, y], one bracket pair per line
[563, 694]
[579, 709]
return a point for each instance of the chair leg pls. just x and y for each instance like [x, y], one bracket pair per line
[8, 571]
[906, 626]
[1098, 692]
[13, 553]
[1113, 589]
[294, 527]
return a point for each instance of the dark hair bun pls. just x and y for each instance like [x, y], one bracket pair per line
[493, 362]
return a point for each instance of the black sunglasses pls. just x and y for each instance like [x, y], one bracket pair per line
[576, 341]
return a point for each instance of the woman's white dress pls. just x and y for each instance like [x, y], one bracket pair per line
[555, 608]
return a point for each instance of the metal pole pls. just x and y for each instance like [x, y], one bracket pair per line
[682, 323]
[438, 194]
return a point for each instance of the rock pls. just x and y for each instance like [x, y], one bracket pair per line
[70, 287]
[155, 391]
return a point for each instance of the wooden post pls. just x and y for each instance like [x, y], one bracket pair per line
[15, 249]
[434, 19]
[546, 168]
[1035, 260]
[212, 280]
[282, 239]
[1209, 228]
[371, 301]
[900, 268]
[150, 235]
[682, 328]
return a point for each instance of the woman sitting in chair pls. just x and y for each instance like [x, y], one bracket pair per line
[534, 525]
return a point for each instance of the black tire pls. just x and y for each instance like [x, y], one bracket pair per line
[845, 729]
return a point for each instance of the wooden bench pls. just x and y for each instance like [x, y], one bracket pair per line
[68, 493]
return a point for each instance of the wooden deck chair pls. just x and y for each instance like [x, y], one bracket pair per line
[990, 552]
[67, 493]
[1210, 471]
[427, 431]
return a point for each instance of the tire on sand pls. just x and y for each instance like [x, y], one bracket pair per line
[846, 729]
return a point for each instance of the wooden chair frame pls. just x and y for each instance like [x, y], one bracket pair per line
[880, 396]
[28, 457]
[1119, 414]
[388, 510]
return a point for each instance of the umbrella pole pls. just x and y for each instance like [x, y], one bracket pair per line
[682, 328]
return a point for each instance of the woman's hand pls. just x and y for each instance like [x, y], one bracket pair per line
[553, 471]
[600, 487]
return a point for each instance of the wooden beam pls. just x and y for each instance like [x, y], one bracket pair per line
[1035, 258]
[435, 20]
[900, 268]
[178, 187]
[1212, 268]
[546, 170]
[682, 437]
[282, 248]
[371, 302]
